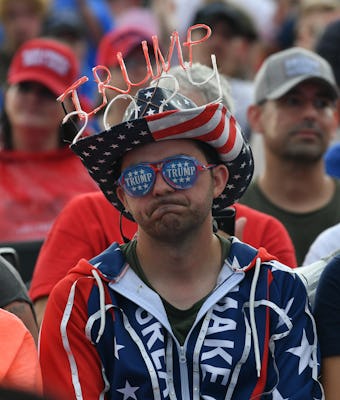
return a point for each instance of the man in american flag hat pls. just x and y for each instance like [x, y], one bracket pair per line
[179, 312]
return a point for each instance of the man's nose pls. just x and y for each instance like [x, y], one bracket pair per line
[160, 186]
[309, 108]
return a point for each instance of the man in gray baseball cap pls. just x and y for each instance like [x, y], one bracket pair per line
[284, 70]
[295, 112]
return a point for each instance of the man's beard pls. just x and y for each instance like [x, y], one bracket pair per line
[174, 228]
[303, 151]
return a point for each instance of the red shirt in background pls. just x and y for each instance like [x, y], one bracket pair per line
[34, 187]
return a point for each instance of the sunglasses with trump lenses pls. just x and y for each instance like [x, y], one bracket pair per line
[179, 172]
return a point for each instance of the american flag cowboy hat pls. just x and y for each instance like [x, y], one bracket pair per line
[165, 115]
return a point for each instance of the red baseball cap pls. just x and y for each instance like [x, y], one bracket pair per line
[45, 61]
[122, 39]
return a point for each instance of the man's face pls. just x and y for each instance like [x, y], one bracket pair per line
[300, 125]
[169, 214]
[35, 116]
[231, 50]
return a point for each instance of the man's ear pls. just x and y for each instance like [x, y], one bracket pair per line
[122, 197]
[221, 176]
[254, 118]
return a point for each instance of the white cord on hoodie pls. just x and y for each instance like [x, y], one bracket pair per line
[66, 343]
[252, 316]
[101, 304]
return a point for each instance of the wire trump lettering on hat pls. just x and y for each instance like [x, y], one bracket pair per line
[162, 67]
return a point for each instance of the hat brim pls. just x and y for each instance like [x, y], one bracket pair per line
[289, 85]
[211, 124]
[37, 76]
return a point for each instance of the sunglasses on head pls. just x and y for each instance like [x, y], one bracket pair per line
[179, 172]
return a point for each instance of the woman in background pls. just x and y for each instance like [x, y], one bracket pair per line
[38, 172]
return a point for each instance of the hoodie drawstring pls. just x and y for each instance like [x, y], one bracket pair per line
[252, 316]
[101, 304]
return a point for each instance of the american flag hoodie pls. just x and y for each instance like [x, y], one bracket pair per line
[106, 335]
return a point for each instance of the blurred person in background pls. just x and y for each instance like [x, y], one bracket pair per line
[14, 296]
[284, 21]
[20, 20]
[233, 41]
[325, 244]
[263, 14]
[39, 173]
[233, 38]
[119, 7]
[312, 18]
[19, 366]
[95, 15]
[172, 15]
[299, 23]
[295, 111]
[81, 24]
[69, 27]
[327, 317]
[127, 40]
[328, 47]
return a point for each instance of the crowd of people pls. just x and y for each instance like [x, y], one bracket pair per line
[169, 199]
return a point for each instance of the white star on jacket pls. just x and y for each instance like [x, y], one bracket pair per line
[304, 351]
[128, 391]
[117, 348]
[281, 322]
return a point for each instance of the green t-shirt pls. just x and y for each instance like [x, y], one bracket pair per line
[181, 321]
[303, 228]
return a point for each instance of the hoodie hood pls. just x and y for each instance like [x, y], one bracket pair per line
[111, 264]
[108, 264]
[243, 257]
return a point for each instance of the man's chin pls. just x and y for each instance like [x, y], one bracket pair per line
[167, 228]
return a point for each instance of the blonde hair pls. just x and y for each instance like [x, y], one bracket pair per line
[311, 6]
[41, 7]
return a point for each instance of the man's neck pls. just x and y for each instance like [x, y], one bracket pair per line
[181, 274]
[296, 187]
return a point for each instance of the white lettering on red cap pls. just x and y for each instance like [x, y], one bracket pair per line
[46, 58]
